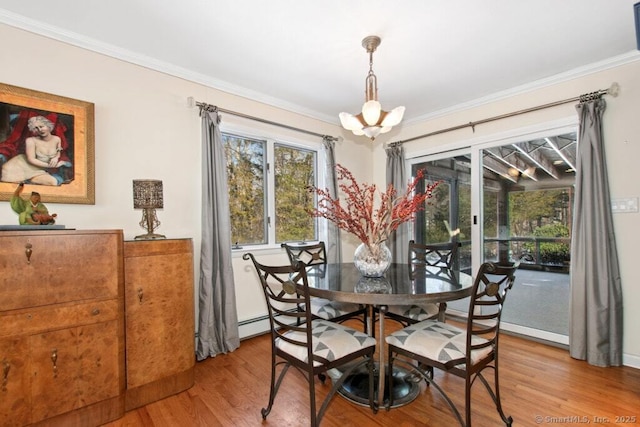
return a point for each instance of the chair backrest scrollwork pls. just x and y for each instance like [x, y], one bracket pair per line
[435, 259]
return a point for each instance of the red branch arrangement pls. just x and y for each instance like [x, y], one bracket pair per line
[358, 215]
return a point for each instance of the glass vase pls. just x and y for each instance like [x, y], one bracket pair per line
[372, 261]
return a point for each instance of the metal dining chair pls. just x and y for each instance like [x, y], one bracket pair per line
[315, 255]
[436, 259]
[310, 345]
[465, 352]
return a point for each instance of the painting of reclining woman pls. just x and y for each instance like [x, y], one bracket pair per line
[37, 148]
[47, 145]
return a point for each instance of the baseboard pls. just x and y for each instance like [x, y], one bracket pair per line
[631, 360]
[253, 327]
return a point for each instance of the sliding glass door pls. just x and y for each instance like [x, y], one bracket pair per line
[527, 194]
[509, 201]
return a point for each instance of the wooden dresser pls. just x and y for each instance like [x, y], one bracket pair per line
[160, 331]
[61, 327]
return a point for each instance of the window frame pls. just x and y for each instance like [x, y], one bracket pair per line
[272, 139]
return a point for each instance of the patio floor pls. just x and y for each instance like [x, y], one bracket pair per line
[538, 300]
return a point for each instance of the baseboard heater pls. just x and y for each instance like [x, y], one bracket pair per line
[253, 327]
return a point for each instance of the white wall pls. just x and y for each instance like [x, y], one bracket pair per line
[145, 130]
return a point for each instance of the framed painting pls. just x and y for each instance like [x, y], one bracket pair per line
[47, 143]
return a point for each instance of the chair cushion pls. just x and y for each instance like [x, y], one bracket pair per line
[330, 341]
[415, 312]
[328, 309]
[437, 341]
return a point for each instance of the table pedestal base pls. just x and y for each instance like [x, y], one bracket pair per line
[404, 388]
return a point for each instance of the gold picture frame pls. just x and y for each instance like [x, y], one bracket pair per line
[74, 124]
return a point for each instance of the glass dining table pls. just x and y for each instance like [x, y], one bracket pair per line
[399, 286]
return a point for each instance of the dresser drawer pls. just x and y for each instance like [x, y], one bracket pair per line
[40, 319]
[42, 269]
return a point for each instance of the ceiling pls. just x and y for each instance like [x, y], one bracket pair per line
[306, 56]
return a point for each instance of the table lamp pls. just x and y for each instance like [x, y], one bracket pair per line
[147, 195]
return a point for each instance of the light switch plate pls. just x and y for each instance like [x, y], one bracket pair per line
[628, 204]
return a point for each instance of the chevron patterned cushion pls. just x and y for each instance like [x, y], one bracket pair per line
[437, 341]
[415, 312]
[328, 309]
[330, 340]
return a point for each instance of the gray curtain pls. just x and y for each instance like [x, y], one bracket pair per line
[218, 320]
[398, 242]
[595, 329]
[334, 248]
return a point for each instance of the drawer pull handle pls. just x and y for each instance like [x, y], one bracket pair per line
[54, 359]
[5, 374]
[28, 252]
[140, 295]
[95, 311]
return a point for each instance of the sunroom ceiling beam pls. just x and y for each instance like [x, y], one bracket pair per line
[516, 167]
[565, 155]
[490, 163]
[531, 151]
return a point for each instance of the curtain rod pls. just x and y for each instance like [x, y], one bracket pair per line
[613, 91]
[209, 107]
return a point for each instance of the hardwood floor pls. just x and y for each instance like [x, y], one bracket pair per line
[540, 385]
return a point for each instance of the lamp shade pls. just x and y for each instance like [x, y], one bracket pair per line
[147, 193]
[350, 122]
[394, 117]
[371, 112]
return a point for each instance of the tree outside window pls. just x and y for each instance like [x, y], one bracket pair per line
[269, 179]
[294, 171]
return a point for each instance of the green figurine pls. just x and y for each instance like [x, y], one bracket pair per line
[32, 211]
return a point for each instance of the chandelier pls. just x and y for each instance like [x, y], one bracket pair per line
[372, 120]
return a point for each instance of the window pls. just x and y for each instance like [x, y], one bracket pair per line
[268, 196]
[294, 171]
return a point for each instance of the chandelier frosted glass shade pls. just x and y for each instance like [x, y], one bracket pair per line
[372, 120]
[359, 125]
